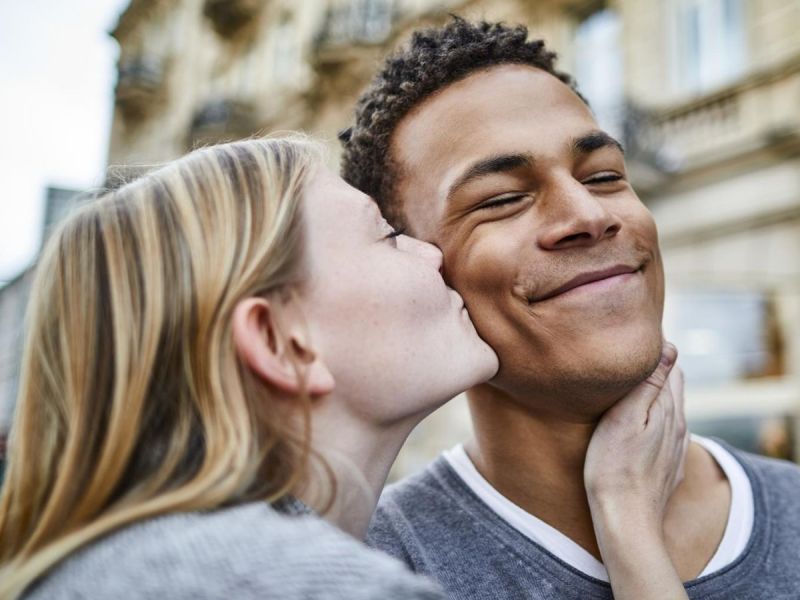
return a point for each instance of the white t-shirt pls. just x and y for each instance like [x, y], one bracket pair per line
[734, 540]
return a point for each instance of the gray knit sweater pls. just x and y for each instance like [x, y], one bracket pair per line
[250, 551]
[438, 526]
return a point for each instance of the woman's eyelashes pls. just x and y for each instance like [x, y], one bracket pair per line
[395, 233]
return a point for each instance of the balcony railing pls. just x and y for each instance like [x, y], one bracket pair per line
[222, 120]
[356, 22]
[761, 111]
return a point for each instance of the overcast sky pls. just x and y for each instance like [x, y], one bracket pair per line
[57, 72]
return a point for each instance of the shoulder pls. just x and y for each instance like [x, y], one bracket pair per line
[420, 513]
[245, 552]
[776, 487]
[775, 473]
[400, 502]
[436, 483]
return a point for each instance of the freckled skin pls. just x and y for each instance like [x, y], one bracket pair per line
[386, 298]
[575, 355]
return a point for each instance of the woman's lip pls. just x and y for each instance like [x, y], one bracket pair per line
[459, 299]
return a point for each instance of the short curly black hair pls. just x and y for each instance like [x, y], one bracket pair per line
[433, 59]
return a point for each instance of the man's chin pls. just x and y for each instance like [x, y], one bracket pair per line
[580, 394]
[599, 391]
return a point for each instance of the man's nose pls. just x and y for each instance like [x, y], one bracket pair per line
[574, 217]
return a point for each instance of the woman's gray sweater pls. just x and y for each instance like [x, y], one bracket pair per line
[250, 551]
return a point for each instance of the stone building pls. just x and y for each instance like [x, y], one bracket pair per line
[13, 301]
[720, 140]
[704, 94]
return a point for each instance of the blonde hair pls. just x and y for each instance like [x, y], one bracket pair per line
[132, 402]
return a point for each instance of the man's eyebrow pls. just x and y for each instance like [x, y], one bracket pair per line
[594, 140]
[500, 163]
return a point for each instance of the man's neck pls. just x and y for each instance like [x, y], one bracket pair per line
[534, 460]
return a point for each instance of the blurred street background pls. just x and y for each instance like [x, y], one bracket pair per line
[704, 95]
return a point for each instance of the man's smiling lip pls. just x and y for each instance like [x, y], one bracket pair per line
[586, 278]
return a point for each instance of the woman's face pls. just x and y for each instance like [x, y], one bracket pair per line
[397, 340]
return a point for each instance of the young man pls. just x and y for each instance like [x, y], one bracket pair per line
[472, 140]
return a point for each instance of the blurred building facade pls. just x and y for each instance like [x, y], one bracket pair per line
[704, 94]
[714, 137]
[13, 303]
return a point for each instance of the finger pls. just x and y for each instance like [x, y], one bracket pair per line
[657, 416]
[667, 398]
[671, 396]
[675, 433]
[680, 392]
[675, 382]
[676, 385]
[657, 389]
[684, 448]
[669, 355]
[637, 403]
[681, 433]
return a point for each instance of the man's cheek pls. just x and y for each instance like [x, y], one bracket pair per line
[483, 285]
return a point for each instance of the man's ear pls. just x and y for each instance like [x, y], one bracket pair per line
[271, 352]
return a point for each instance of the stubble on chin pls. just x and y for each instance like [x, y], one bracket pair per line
[622, 381]
[590, 391]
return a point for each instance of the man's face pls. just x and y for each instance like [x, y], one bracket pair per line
[556, 257]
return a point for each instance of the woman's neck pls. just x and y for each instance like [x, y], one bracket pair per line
[360, 454]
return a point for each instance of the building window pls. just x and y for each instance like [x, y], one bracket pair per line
[228, 17]
[772, 436]
[599, 68]
[375, 19]
[725, 336]
[709, 43]
[357, 21]
[140, 85]
[286, 51]
[222, 120]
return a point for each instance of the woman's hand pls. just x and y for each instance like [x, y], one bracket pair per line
[633, 465]
[635, 456]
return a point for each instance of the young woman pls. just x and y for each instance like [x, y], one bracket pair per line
[237, 338]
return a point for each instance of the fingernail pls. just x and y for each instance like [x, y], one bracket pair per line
[668, 354]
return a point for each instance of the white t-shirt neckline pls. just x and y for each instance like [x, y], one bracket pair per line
[737, 530]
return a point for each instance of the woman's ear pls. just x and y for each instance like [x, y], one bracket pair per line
[272, 354]
[318, 377]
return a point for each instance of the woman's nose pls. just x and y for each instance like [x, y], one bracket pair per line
[425, 250]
